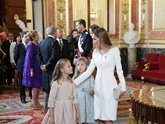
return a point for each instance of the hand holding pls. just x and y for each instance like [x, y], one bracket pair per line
[72, 97]
[31, 74]
[121, 94]
[52, 121]
[77, 117]
[91, 91]
[75, 61]
[43, 67]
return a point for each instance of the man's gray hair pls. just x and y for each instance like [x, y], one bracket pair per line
[50, 30]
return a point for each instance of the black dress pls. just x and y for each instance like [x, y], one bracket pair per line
[3, 68]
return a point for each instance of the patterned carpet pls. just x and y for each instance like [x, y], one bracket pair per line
[12, 111]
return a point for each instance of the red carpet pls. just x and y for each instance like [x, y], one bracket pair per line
[35, 117]
[13, 111]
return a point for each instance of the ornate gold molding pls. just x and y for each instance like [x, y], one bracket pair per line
[125, 16]
[60, 12]
[157, 43]
[143, 18]
[144, 42]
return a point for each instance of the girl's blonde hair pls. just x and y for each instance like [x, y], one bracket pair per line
[57, 71]
[32, 34]
[76, 74]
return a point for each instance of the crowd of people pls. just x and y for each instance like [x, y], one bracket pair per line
[63, 69]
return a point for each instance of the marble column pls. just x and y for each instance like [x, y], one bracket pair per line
[131, 59]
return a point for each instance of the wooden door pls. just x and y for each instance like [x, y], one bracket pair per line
[13, 7]
[2, 10]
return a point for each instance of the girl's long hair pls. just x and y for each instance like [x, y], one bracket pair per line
[77, 73]
[57, 71]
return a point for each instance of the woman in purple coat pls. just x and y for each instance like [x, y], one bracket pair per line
[32, 72]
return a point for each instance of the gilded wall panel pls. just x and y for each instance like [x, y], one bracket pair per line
[60, 13]
[143, 18]
[125, 16]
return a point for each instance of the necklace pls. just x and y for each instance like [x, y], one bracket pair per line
[103, 51]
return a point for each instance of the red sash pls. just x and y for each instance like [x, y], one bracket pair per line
[88, 56]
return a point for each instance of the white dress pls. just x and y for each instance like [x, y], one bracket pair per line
[105, 106]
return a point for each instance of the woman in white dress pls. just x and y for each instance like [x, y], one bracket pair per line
[106, 58]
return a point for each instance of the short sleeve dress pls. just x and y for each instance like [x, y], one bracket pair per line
[60, 99]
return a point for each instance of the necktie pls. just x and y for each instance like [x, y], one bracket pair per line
[26, 44]
[60, 43]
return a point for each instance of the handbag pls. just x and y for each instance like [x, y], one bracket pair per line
[116, 92]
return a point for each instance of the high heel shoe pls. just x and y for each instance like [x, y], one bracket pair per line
[40, 106]
[34, 107]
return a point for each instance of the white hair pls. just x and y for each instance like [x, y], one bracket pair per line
[50, 30]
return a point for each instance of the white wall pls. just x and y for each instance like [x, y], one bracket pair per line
[38, 25]
[29, 14]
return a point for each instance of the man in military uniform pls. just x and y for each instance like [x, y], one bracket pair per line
[85, 44]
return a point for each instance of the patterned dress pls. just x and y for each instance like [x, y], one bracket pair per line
[60, 100]
[31, 62]
[86, 100]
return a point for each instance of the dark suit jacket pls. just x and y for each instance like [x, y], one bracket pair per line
[6, 47]
[65, 53]
[46, 53]
[19, 56]
[46, 56]
[86, 41]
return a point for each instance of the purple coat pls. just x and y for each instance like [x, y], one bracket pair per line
[31, 62]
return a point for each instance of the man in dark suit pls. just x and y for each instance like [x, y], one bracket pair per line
[46, 57]
[6, 47]
[61, 46]
[85, 44]
[19, 57]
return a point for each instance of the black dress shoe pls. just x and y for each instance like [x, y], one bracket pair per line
[23, 101]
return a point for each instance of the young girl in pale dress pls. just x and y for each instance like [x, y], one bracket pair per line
[85, 93]
[63, 105]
